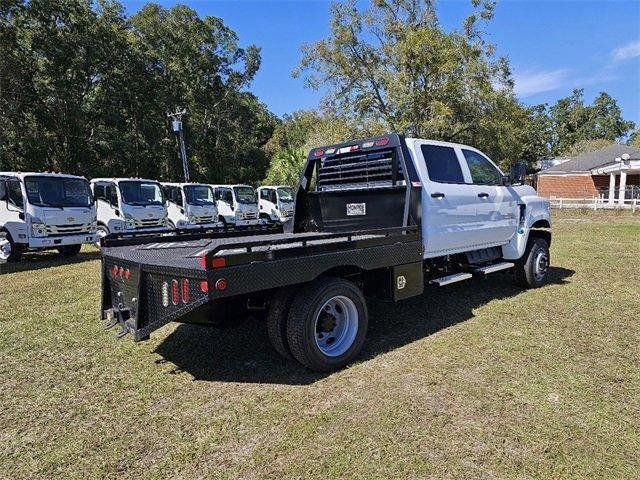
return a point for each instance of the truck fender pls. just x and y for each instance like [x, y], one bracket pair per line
[536, 220]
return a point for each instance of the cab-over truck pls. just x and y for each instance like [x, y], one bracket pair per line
[377, 217]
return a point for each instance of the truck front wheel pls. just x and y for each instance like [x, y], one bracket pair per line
[9, 251]
[532, 270]
[327, 324]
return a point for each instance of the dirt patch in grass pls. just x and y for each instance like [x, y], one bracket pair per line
[475, 380]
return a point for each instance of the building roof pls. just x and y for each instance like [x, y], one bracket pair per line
[585, 162]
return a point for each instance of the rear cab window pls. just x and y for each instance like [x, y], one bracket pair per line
[442, 164]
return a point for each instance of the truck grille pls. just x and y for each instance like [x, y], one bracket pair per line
[249, 215]
[152, 222]
[209, 219]
[68, 229]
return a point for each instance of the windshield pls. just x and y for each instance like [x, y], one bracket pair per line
[199, 195]
[245, 195]
[285, 194]
[48, 191]
[141, 193]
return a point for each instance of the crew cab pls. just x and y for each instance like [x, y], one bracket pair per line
[237, 205]
[378, 217]
[275, 203]
[43, 211]
[191, 206]
[126, 205]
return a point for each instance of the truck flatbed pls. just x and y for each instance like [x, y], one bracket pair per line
[150, 281]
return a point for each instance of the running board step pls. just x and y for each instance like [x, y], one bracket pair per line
[456, 277]
[496, 267]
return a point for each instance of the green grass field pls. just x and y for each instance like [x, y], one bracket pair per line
[474, 380]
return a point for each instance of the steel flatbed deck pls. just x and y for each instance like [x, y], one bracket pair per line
[140, 273]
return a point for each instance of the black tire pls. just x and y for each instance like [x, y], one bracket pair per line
[70, 250]
[16, 250]
[102, 231]
[277, 317]
[301, 323]
[528, 271]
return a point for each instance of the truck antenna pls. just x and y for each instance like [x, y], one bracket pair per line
[176, 127]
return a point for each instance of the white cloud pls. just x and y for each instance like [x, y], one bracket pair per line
[530, 82]
[630, 50]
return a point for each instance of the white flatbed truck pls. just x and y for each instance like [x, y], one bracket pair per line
[376, 217]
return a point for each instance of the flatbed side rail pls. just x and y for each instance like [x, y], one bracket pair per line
[411, 233]
[125, 239]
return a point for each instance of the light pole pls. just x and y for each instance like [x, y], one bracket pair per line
[176, 127]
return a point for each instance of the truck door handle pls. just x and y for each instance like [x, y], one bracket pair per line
[437, 195]
[483, 195]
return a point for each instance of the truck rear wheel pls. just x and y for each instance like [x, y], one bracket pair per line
[532, 270]
[277, 321]
[69, 250]
[327, 324]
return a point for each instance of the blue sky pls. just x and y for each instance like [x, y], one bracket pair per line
[553, 46]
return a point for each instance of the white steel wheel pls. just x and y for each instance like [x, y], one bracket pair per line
[336, 326]
[101, 232]
[327, 324]
[5, 248]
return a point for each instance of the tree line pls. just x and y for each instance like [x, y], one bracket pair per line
[86, 89]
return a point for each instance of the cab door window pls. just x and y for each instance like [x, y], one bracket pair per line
[442, 164]
[483, 172]
[14, 193]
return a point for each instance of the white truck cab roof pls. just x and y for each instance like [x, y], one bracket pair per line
[231, 186]
[274, 186]
[184, 184]
[122, 179]
[22, 175]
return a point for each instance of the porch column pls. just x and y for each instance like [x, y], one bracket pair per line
[612, 187]
[623, 186]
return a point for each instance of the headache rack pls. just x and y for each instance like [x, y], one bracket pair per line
[360, 169]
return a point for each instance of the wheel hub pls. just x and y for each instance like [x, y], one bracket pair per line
[336, 326]
[5, 249]
[541, 265]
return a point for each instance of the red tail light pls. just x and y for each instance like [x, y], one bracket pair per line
[221, 284]
[185, 290]
[218, 262]
[203, 261]
[175, 295]
[204, 286]
[121, 272]
[114, 270]
[381, 142]
[127, 274]
[318, 153]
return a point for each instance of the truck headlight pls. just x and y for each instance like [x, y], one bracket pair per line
[93, 227]
[191, 219]
[38, 228]
[129, 224]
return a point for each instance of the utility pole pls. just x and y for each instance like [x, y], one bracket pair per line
[176, 127]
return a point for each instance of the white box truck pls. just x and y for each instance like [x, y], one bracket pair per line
[275, 203]
[237, 206]
[129, 205]
[191, 206]
[43, 211]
